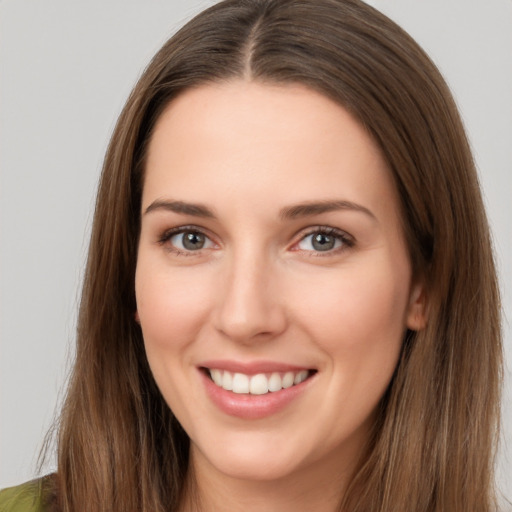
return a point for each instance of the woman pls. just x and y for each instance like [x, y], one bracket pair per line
[290, 297]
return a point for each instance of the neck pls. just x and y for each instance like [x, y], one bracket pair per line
[317, 487]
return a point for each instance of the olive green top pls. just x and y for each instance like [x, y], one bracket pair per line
[23, 498]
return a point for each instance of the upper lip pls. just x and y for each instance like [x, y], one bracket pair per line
[252, 367]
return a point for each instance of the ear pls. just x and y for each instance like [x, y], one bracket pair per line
[417, 314]
[136, 316]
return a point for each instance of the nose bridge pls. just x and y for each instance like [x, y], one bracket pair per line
[249, 305]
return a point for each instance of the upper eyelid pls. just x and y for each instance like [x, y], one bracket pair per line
[324, 229]
[347, 240]
[165, 237]
[168, 233]
[304, 231]
[300, 235]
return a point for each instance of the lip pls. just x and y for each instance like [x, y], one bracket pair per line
[252, 407]
[253, 367]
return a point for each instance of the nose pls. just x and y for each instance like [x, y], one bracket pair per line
[250, 304]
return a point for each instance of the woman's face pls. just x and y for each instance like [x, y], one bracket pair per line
[271, 252]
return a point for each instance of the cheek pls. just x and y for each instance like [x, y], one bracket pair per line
[360, 313]
[357, 321]
[170, 306]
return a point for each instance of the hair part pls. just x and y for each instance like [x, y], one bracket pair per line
[120, 447]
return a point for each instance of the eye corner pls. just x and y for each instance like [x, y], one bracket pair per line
[323, 241]
[197, 242]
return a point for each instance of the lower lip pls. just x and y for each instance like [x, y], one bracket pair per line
[252, 407]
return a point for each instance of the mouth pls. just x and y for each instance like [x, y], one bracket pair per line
[257, 384]
[255, 390]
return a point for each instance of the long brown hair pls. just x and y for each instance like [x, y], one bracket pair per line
[119, 446]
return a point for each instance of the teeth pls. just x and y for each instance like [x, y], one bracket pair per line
[258, 384]
[227, 381]
[288, 379]
[217, 377]
[240, 383]
[275, 383]
[300, 377]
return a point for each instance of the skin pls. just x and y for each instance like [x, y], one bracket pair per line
[258, 289]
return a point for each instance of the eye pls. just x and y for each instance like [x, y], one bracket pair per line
[325, 240]
[184, 240]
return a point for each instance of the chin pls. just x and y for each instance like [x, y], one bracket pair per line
[249, 456]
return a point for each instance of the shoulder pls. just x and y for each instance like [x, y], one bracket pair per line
[23, 498]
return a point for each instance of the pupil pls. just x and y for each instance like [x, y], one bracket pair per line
[323, 242]
[193, 241]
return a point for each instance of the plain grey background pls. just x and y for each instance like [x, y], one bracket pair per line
[66, 69]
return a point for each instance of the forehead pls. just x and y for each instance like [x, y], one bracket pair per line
[249, 141]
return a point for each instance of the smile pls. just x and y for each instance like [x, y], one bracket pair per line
[255, 390]
[259, 384]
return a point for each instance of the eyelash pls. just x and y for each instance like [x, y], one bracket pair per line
[346, 240]
[167, 235]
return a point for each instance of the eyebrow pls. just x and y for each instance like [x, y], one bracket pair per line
[196, 210]
[307, 209]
